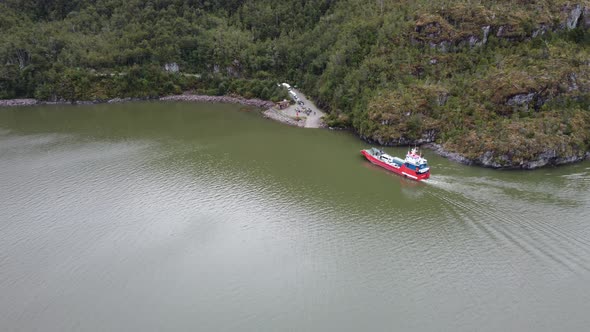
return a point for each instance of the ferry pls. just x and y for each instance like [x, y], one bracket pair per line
[414, 166]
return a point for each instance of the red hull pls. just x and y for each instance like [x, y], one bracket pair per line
[402, 170]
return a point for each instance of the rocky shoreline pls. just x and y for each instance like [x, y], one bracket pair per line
[275, 115]
[183, 97]
[488, 160]
[32, 102]
[18, 102]
[219, 99]
[267, 105]
[453, 156]
[549, 158]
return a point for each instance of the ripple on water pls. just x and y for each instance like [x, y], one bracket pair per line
[493, 211]
[174, 227]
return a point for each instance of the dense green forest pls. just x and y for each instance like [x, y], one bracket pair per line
[497, 81]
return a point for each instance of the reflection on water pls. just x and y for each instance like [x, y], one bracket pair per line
[157, 216]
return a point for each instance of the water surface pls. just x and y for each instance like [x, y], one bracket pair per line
[174, 216]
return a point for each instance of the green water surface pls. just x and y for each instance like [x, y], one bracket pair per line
[207, 217]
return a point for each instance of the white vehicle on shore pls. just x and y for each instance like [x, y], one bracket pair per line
[286, 86]
[293, 95]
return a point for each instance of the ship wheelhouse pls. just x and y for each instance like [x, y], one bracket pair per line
[416, 163]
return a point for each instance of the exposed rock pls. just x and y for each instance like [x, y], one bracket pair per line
[550, 157]
[439, 35]
[273, 114]
[486, 33]
[184, 97]
[235, 69]
[427, 137]
[488, 160]
[541, 30]
[473, 41]
[220, 99]
[438, 149]
[573, 16]
[17, 102]
[521, 99]
[172, 67]
[572, 82]
[491, 160]
[532, 99]
[119, 100]
[510, 33]
[586, 18]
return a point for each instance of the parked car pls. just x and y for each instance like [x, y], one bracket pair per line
[300, 102]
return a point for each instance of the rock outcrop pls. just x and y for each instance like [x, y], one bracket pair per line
[586, 18]
[443, 31]
[438, 149]
[521, 99]
[491, 160]
[574, 15]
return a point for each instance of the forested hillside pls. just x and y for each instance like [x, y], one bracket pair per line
[500, 82]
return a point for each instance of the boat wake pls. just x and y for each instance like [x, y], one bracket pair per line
[514, 216]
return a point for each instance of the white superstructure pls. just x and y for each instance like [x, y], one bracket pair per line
[414, 158]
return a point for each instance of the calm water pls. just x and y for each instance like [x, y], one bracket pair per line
[153, 216]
